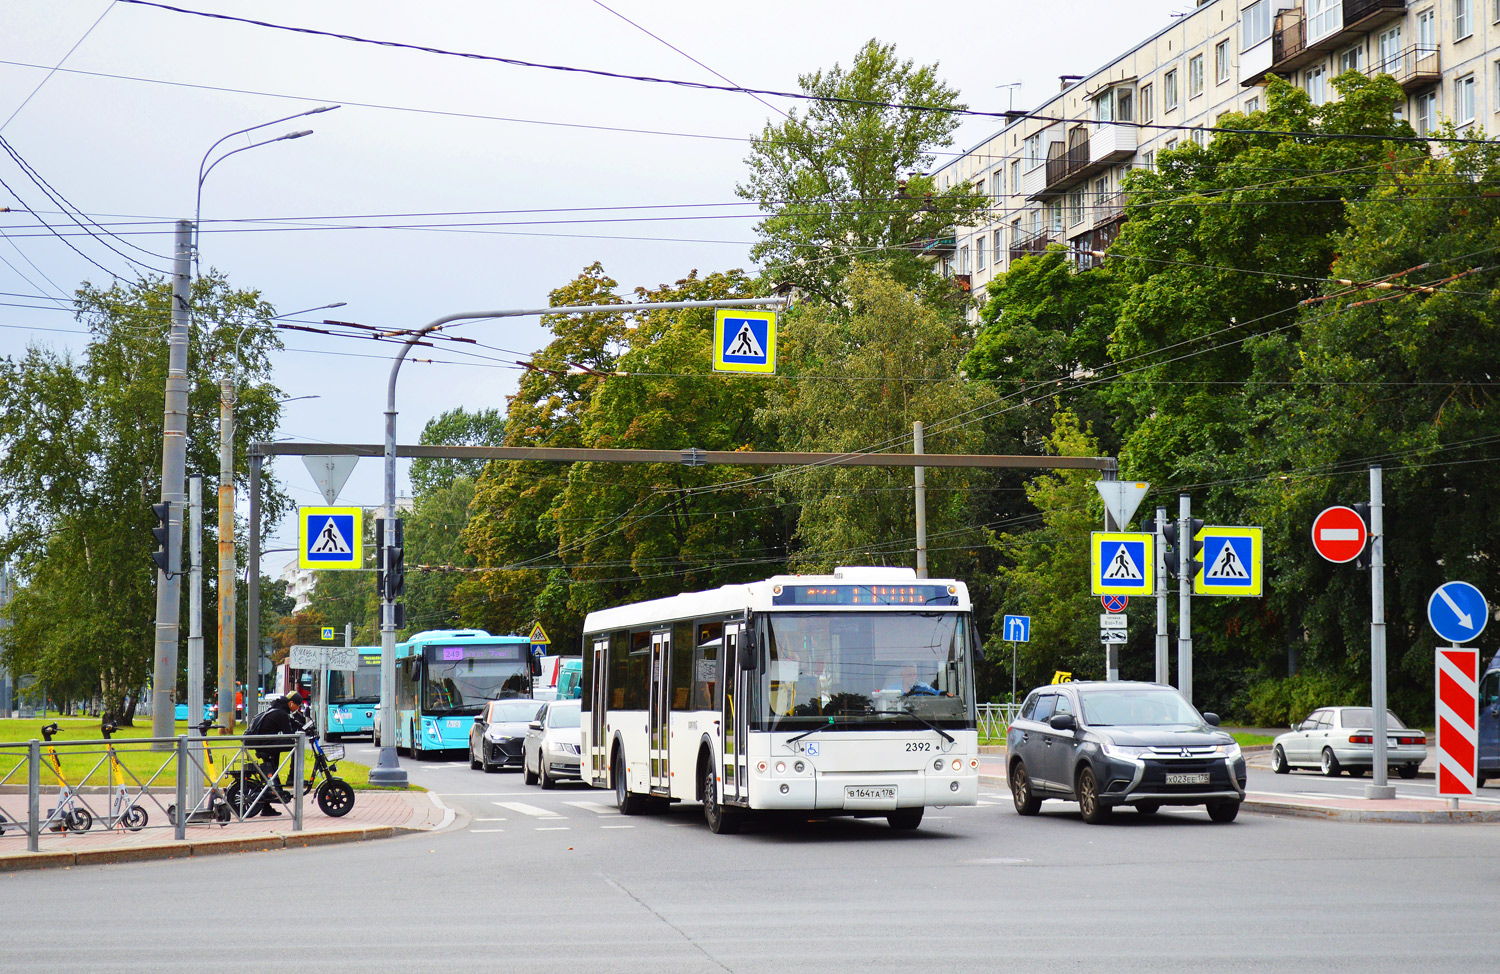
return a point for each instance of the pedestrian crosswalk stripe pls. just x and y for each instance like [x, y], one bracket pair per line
[526, 809]
[595, 807]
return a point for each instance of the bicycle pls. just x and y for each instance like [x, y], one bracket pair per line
[123, 810]
[70, 814]
[215, 803]
[251, 792]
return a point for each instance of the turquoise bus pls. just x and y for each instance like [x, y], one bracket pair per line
[445, 677]
[353, 697]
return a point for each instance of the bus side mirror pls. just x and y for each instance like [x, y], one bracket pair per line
[536, 666]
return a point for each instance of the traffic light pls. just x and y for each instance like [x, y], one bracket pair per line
[380, 558]
[1362, 560]
[163, 535]
[1195, 562]
[390, 574]
[1169, 547]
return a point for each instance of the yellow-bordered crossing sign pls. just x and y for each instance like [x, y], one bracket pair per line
[1122, 563]
[330, 537]
[744, 341]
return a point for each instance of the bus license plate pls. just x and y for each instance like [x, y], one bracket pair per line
[870, 793]
[1187, 779]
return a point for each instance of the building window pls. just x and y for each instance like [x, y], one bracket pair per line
[1055, 217]
[1171, 144]
[1015, 233]
[1388, 49]
[1495, 11]
[979, 252]
[1149, 160]
[1463, 100]
[1195, 76]
[1317, 85]
[1075, 208]
[1169, 91]
[963, 260]
[1463, 19]
[1256, 23]
[1324, 17]
[1000, 244]
[1148, 109]
[1197, 136]
[1034, 151]
[1125, 102]
[1427, 28]
[997, 184]
[1352, 59]
[1104, 107]
[1497, 76]
[1101, 197]
[1426, 112]
[1252, 105]
[979, 187]
[1221, 62]
[1015, 175]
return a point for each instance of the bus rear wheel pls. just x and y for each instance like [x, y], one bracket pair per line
[905, 818]
[628, 802]
[721, 820]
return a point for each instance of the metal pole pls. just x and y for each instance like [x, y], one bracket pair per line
[227, 572]
[1014, 647]
[299, 758]
[33, 796]
[921, 489]
[195, 676]
[7, 691]
[1184, 596]
[252, 592]
[173, 468]
[1163, 650]
[183, 808]
[1380, 788]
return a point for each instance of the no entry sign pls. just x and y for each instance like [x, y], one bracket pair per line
[1339, 534]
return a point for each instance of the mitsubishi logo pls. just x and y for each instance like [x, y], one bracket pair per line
[1186, 753]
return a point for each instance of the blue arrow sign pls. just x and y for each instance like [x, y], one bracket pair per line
[1457, 612]
[1018, 629]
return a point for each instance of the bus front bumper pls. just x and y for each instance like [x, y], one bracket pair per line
[863, 791]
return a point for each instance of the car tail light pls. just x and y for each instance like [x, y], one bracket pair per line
[1361, 739]
[1412, 740]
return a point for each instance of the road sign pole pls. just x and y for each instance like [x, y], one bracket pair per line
[1185, 596]
[1163, 651]
[1379, 789]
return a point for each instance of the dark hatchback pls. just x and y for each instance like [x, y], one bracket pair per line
[1109, 744]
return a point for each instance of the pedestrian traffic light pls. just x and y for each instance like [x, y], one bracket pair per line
[163, 535]
[1362, 560]
[390, 574]
[1169, 547]
[1195, 562]
[380, 558]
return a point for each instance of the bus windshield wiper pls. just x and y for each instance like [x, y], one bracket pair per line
[944, 734]
[793, 740]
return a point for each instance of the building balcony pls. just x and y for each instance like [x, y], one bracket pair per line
[1033, 245]
[1106, 146]
[1299, 40]
[935, 246]
[1413, 68]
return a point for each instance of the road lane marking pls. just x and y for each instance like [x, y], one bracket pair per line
[617, 826]
[488, 820]
[554, 828]
[526, 809]
[596, 807]
[486, 830]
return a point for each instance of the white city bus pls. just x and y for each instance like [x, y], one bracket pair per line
[843, 694]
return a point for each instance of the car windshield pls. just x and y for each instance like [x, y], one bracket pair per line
[563, 717]
[1359, 717]
[864, 666]
[1138, 708]
[513, 711]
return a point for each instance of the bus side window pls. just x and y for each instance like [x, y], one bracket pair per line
[710, 637]
[1489, 689]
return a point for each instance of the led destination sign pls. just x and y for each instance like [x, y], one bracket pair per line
[864, 595]
[456, 654]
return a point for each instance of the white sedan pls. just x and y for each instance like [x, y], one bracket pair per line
[551, 748]
[1335, 739]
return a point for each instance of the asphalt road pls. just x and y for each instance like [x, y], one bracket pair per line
[557, 881]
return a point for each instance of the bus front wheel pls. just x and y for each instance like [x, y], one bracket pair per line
[721, 820]
[626, 800]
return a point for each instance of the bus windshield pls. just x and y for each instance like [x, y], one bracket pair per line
[855, 667]
[465, 686]
[360, 686]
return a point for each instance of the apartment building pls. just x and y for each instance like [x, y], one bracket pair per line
[1054, 175]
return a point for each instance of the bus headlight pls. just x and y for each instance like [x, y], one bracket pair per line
[958, 764]
[937, 765]
[781, 767]
[799, 767]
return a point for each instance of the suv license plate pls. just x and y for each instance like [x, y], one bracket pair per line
[862, 793]
[1187, 779]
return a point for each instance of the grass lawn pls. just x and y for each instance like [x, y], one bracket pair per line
[1253, 740]
[139, 759]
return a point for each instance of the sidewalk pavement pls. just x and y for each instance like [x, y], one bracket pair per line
[375, 815]
[1330, 807]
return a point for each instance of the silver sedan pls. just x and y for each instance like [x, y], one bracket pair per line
[551, 748]
[1336, 739]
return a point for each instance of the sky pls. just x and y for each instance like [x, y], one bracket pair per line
[114, 104]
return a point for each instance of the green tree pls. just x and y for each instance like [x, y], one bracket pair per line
[843, 180]
[455, 427]
[80, 462]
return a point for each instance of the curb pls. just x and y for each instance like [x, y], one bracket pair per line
[22, 861]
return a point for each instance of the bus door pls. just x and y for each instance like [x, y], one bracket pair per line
[732, 684]
[661, 645]
[598, 708]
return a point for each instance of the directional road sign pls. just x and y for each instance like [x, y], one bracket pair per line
[329, 537]
[1114, 603]
[1233, 563]
[1123, 563]
[744, 341]
[312, 657]
[1339, 534]
[1457, 612]
[1018, 629]
[1457, 721]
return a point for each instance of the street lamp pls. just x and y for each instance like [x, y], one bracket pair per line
[227, 567]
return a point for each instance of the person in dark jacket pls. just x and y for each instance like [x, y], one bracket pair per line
[283, 716]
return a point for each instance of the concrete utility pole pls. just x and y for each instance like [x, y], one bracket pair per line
[1185, 596]
[1379, 788]
[921, 490]
[173, 469]
[227, 570]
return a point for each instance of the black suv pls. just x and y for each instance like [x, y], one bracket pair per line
[1108, 744]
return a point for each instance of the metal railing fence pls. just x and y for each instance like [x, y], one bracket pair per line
[994, 718]
[74, 787]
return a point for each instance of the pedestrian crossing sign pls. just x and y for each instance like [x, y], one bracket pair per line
[744, 341]
[1233, 563]
[1123, 563]
[330, 537]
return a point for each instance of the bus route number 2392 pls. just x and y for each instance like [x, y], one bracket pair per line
[919, 745]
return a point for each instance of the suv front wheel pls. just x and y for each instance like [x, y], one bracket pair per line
[1094, 811]
[1020, 791]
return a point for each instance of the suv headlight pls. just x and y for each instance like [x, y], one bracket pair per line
[1122, 750]
[1230, 750]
